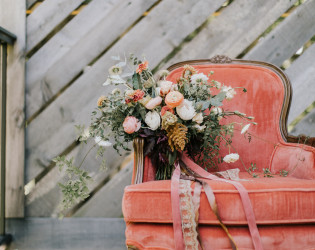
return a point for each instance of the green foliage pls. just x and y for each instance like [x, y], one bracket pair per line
[75, 189]
[267, 173]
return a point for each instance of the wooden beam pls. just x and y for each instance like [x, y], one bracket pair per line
[12, 18]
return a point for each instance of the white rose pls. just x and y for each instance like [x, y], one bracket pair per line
[199, 78]
[165, 87]
[230, 158]
[153, 120]
[198, 118]
[186, 110]
[102, 143]
[229, 92]
[200, 128]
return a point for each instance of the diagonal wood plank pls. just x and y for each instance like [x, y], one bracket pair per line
[69, 63]
[302, 76]
[290, 35]
[107, 201]
[52, 131]
[225, 33]
[60, 44]
[44, 200]
[306, 126]
[45, 18]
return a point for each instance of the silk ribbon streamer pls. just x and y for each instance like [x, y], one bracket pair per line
[177, 225]
[244, 197]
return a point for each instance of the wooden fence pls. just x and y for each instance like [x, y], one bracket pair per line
[68, 49]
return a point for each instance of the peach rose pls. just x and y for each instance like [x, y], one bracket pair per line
[138, 95]
[131, 124]
[173, 99]
[142, 66]
[154, 102]
[165, 109]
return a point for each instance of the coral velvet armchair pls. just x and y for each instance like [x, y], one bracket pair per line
[284, 207]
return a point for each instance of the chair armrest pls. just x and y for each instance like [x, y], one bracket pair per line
[296, 156]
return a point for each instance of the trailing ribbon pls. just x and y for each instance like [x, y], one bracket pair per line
[196, 171]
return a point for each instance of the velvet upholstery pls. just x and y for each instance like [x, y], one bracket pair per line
[284, 207]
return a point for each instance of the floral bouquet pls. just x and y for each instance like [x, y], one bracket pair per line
[172, 117]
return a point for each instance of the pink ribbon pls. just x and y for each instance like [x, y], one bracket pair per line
[177, 225]
[244, 197]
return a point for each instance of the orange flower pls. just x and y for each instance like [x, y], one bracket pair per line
[173, 99]
[142, 66]
[165, 109]
[138, 95]
[101, 100]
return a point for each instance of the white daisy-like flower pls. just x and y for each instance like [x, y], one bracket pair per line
[102, 143]
[229, 92]
[231, 158]
[245, 128]
[199, 78]
[115, 70]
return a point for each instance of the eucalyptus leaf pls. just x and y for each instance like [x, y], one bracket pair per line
[135, 81]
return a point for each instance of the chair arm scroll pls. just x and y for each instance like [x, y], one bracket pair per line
[297, 158]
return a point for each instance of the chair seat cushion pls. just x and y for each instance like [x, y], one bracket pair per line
[161, 236]
[277, 200]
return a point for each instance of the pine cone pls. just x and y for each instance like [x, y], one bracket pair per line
[177, 136]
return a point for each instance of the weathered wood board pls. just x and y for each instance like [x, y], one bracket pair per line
[233, 30]
[46, 17]
[107, 202]
[290, 35]
[67, 234]
[306, 126]
[12, 18]
[302, 76]
[45, 199]
[75, 46]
